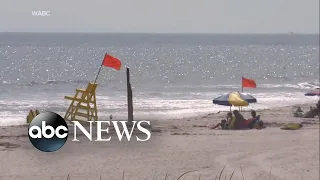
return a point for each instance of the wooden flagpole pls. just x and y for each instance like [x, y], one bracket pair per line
[241, 88]
[129, 97]
[242, 84]
[99, 70]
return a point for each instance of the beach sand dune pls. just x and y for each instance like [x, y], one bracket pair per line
[181, 146]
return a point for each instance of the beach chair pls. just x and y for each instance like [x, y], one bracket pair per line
[83, 104]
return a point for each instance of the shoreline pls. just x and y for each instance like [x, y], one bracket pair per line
[13, 112]
[201, 115]
[305, 105]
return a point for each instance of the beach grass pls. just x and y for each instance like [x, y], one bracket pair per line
[219, 176]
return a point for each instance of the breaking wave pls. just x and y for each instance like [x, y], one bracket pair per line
[49, 82]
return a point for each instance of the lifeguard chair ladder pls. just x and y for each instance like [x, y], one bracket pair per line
[83, 104]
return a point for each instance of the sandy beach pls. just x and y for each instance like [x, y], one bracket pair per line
[181, 146]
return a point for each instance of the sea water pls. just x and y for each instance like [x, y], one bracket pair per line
[172, 76]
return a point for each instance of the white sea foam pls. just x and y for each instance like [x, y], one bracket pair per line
[11, 119]
[153, 108]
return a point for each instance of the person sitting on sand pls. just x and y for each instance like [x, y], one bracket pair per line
[299, 112]
[239, 122]
[251, 121]
[255, 121]
[225, 123]
[313, 112]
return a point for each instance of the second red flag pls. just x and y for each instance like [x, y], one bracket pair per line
[112, 62]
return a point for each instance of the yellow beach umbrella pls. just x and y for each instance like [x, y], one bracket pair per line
[235, 100]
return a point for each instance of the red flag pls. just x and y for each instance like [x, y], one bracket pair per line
[112, 62]
[248, 83]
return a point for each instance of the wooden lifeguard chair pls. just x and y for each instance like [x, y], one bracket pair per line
[83, 104]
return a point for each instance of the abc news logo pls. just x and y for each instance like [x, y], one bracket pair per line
[48, 131]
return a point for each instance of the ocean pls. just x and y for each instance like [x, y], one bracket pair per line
[172, 75]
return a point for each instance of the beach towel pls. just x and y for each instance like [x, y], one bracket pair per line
[291, 126]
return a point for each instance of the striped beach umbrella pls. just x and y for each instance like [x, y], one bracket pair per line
[235, 99]
[315, 92]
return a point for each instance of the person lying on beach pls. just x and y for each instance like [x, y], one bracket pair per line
[225, 123]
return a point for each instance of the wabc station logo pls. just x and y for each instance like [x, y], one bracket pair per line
[48, 131]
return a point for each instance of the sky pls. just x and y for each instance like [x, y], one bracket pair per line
[161, 16]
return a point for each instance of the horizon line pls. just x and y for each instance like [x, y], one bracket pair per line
[152, 33]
